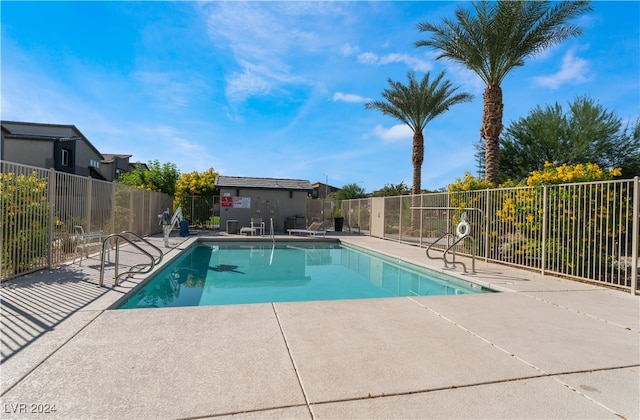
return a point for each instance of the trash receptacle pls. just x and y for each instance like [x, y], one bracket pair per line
[184, 228]
[232, 227]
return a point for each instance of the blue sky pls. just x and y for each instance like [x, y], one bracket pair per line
[277, 89]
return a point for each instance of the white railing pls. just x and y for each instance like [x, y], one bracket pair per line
[39, 209]
[584, 231]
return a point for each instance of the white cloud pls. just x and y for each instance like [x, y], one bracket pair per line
[259, 40]
[349, 97]
[242, 85]
[347, 50]
[267, 41]
[396, 133]
[573, 70]
[167, 89]
[168, 143]
[368, 58]
[413, 62]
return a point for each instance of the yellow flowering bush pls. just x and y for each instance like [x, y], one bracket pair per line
[195, 183]
[469, 183]
[515, 230]
[24, 211]
[572, 210]
[566, 174]
[201, 184]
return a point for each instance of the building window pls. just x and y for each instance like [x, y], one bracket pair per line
[94, 163]
[65, 159]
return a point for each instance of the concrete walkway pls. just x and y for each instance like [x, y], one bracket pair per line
[545, 348]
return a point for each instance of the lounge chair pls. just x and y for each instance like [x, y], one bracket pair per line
[314, 229]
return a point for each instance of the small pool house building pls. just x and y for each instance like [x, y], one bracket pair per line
[243, 199]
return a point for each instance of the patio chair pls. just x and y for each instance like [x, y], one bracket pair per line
[256, 228]
[258, 224]
[85, 242]
[314, 229]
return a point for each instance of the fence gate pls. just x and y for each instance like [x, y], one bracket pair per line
[201, 211]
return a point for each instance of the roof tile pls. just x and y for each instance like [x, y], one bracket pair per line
[267, 183]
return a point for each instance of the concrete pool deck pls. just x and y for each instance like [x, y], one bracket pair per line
[545, 348]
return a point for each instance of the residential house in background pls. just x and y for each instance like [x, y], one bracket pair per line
[321, 190]
[61, 147]
[113, 165]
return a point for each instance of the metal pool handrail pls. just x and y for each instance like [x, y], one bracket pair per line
[273, 241]
[122, 235]
[454, 262]
[273, 238]
[460, 238]
[160, 253]
[451, 247]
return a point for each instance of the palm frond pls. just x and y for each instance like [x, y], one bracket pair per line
[418, 102]
[493, 38]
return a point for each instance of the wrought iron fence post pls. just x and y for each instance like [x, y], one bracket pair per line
[130, 209]
[113, 208]
[400, 217]
[421, 218]
[193, 205]
[636, 234]
[87, 209]
[51, 197]
[545, 203]
[487, 224]
[448, 224]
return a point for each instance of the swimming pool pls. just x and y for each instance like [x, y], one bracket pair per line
[217, 273]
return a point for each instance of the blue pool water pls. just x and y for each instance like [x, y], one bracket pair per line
[258, 272]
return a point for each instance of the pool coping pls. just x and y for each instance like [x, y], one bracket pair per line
[558, 348]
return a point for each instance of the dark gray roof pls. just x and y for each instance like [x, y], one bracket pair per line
[110, 157]
[260, 183]
[41, 131]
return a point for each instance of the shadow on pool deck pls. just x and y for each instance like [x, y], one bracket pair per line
[34, 306]
[546, 348]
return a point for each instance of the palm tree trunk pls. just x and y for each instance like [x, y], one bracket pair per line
[417, 157]
[490, 131]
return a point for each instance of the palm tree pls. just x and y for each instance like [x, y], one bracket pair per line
[415, 105]
[493, 42]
